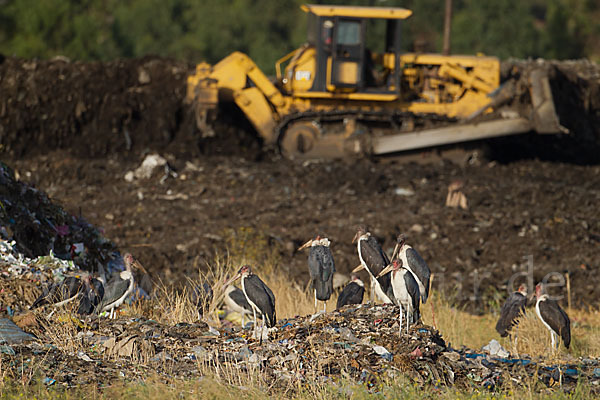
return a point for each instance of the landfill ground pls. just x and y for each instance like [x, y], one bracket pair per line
[532, 214]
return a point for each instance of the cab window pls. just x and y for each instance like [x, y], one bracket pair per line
[348, 33]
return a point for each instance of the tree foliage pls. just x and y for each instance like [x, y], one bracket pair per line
[268, 29]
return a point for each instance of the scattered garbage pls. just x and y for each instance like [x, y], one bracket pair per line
[359, 343]
[495, 349]
[401, 191]
[148, 166]
[456, 198]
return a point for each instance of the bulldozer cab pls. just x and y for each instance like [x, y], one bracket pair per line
[342, 62]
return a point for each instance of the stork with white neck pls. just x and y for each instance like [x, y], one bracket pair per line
[120, 286]
[406, 291]
[553, 317]
[413, 262]
[374, 260]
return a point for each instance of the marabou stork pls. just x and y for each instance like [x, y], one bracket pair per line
[406, 291]
[511, 310]
[412, 261]
[353, 292]
[59, 294]
[321, 268]
[120, 286]
[258, 295]
[235, 299]
[553, 317]
[374, 260]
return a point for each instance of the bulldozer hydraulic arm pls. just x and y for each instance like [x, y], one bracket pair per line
[237, 78]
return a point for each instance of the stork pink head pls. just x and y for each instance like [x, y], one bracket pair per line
[128, 259]
[539, 290]
[393, 267]
[360, 230]
[245, 271]
[132, 263]
[522, 289]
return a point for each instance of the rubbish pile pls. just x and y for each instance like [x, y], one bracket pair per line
[40, 243]
[361, 344]
[38, 226]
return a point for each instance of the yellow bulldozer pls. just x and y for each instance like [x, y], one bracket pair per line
[336, 96]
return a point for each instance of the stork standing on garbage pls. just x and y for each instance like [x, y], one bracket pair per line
[413, 262]
[258, 295]
[406, 291]
[374, 260]
[321, 268]
[120, 286]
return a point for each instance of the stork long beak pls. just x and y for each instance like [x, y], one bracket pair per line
[395, 251]
[355, 238]
[386, 270]
[138, 265]
[305, 245]
[235, 278]
[359, 268]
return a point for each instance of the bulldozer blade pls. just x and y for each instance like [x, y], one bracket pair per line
[544, 116]
[449, 134]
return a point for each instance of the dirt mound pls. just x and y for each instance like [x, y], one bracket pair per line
[91, 108]
[575, 86]
[95, 109]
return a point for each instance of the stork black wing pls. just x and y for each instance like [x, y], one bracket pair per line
[240, 299]
[114, 289]
[352, 294]
[510, 311]
[262, 296]
[420, 269]
[557, 319]
[47, 294]
[373, 255]
[70, 287]
[321, 268]
[412, 287]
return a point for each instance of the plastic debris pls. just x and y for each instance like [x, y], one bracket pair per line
[10, 333]
[495, 349]
[145, 170]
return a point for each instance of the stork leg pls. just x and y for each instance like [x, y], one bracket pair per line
[316, 302]
[324, 306]
[408, 318]
[552, 336]
[254, 314]
[515, 345]
[372, 290]
[401, 312]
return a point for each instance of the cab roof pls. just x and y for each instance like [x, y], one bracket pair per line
[357, 12]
